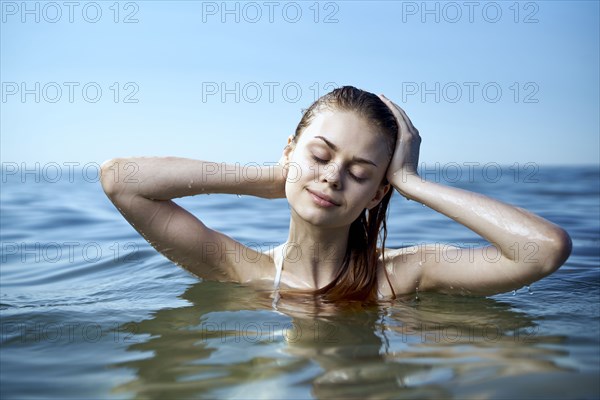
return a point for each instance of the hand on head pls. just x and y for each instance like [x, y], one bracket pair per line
[406, 155]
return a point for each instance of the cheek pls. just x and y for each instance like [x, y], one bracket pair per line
[358, 195]
[301, 170]
[299, 175]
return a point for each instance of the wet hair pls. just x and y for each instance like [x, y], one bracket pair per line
[360, 281]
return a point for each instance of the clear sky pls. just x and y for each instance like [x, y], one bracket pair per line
[504, 82]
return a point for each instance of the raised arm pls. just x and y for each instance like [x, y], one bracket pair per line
[523, 247]
[142, 189]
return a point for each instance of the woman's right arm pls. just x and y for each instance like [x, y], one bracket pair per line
[142, 190]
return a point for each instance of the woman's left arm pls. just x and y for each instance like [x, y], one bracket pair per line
[523, 246]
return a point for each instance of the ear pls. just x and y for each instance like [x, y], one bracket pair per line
[379, 195]
[287, 150]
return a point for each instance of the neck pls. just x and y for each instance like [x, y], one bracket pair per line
[314, 254]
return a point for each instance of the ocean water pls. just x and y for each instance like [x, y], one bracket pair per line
[89, 310]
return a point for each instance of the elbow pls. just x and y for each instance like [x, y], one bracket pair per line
[557, 250]
[109, 172]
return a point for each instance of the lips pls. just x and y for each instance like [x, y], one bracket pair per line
[322, 199]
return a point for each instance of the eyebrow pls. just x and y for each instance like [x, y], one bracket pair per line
[354, 159]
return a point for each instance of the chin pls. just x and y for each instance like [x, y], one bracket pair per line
[321, 218]
[314, 217]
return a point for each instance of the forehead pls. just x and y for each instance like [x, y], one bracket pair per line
[348, 131]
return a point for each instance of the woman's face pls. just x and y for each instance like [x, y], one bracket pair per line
[336, 169]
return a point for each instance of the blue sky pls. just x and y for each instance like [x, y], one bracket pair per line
[503, 82]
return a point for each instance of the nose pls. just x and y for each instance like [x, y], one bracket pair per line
[331, 174]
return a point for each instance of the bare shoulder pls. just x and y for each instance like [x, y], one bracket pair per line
[263, 270]
[404, 267]
[256, 268]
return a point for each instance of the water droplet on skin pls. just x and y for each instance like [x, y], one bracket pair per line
[190, 184]
[423, 205]
[420, 263]
[239, 196]
[514, 292]
[417, 293]
[529, 290]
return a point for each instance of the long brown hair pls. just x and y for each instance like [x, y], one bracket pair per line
[360, 281]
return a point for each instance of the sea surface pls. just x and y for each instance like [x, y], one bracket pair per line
[89, 310]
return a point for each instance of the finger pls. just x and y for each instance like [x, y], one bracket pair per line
[395, 106]
[408, 121]
[405, 117]
[396, 109]
[399, 116]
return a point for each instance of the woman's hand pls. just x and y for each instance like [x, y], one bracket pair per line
[406, 155]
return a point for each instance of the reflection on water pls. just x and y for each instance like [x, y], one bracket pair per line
[67, 314]
[230, 343]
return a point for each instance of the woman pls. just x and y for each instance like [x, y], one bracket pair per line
[337, 172]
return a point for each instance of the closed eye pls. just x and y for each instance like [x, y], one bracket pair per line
[319, 160]
[357, 179]
[354, 177]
